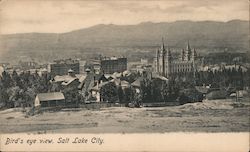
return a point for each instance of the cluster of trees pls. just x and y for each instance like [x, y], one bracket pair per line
[158, 90]
[182, 85]
[226, 57]
[112, 93]
[20, 89]
[224, 79]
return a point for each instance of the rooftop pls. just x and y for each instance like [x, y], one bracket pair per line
[50, 96]
[112, 58]
[65, 61]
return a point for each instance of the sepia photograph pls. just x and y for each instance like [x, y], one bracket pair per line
[124, 67]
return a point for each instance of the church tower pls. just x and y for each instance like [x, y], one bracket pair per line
[157, 57]
[168, 63]
[194, 55]
[187, 53]
[183, 55]
[163, 53]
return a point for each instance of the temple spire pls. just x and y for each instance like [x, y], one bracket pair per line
[188, 53]
[183, 55]
[194, 54]
[163, 46]
[188, 46]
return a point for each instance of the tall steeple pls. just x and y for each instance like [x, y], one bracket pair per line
[162, 45]
[183, 55]
[194, 54]
[188, 52]
[163, 51]
[157, 56]
[168, 63]
[188, 46]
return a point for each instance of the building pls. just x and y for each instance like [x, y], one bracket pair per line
[95, 91]
[61, 67]
[82, 66]
[91, 84]
[144, 61]
[51, 99]
[137, 85]
[26, 65]
[68, 82]
[113, 64]
[165, 65]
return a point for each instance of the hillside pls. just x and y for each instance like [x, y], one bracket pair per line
[203, 34]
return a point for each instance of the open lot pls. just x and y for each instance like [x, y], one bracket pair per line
[207, 116]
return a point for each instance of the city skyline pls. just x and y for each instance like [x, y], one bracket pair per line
[58, 17]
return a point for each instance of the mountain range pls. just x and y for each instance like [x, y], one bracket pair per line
[200, 34]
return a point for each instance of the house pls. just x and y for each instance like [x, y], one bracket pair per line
[109, 76]
[137, 85]
[70, 81]
[100, 78]
[101, 81]
[122, 83]
[91, 80]
[86, 84]
[51, 99]
[116, 75]
[161, 78]
[95, 91]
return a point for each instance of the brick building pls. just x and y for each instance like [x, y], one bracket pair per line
[61, 67]
[113, 64]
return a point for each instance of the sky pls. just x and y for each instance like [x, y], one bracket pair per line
[54, 16]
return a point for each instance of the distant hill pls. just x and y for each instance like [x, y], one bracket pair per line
[203, 34]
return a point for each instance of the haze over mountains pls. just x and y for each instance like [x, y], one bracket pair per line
[202, 34]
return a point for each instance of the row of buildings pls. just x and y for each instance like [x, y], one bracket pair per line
[164, 64]
[107, 65]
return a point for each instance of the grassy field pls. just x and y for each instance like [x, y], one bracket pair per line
[206, 116]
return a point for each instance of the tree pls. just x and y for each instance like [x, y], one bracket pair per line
[6, 80]
[146, 90]
[3, 95]
[109, 92]
[120, 94]
[137, 100]
[129, 95]
[15, 95]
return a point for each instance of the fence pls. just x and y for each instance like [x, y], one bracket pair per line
[160, 104]
[101, 105]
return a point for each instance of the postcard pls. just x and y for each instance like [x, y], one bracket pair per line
[124, 75]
